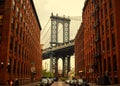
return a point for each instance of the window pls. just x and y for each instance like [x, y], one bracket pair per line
[103, 46]
[9, 65]
[20, 17]
[17, 11]
[111, 20]
[11, 43]
[21, 33]
[107, 26]
[16, 47]
[1, 19]
[108, 44]
[101, 1]
[102, 29]
[12, 24]
[110, 4]
[14, 67]
[114, 63]
[101, 13]
[16, 28]
[13, 3]
[104, 64]
[21, 1]
[1, 2]
[116, 80]
[109, 64]
[18, 68]
[113, 40]
[22, 52]
[18, 50]
[106, 11]
[0, 37]
[24, 8]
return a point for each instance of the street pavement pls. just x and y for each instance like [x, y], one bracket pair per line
[93, 84]
[30, 84]
[60, 83]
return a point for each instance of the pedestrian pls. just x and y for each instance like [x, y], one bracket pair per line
[106, 79]
[16, 82]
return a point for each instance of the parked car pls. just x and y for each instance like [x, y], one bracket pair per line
[55, 78]
[82, 82]
[67, 81]
[50, 81]
[73, 82]
[45, 82]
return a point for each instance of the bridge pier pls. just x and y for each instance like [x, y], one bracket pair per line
[63, 59]
[68, 64]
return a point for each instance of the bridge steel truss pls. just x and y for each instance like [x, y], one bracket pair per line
[55, 55]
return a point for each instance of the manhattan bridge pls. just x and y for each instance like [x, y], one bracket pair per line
[59, 49]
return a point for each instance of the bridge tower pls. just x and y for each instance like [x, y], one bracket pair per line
[55, 21]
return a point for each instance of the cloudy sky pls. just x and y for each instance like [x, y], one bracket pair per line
[72, 8]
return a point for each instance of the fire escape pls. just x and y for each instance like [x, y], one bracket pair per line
[96, 26]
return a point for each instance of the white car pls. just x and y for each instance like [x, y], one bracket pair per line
[67, 81]
[73, 82]
[45, 81]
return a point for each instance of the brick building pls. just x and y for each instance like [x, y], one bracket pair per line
[79, 53]
[20, 50]
[89, 37]
[109, 11]
[101, 23]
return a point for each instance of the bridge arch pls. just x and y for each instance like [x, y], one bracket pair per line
[60, 31]
[60, 66]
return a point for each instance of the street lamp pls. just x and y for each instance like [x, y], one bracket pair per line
[1, 64]
[33, 72]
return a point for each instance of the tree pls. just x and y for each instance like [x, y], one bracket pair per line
[47, 73]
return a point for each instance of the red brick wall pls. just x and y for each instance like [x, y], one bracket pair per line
[89, 36]
[107, 55]
[27, 39]
[117, 31]
[79, 53]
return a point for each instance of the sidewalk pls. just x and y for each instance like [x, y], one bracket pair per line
[30, 84]
[93, 84]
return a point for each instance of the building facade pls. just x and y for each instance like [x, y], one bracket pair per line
[89, 37]
[20, 50]
[101, 40]
[79, 53]
[109, 34]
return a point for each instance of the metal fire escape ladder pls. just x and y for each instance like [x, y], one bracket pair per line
[97, 54]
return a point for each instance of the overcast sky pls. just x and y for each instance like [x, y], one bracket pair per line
[70, 8]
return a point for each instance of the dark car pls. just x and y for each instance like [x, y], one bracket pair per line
[73, 82]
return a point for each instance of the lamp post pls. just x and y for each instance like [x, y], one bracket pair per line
[1, 64]
[33, 72]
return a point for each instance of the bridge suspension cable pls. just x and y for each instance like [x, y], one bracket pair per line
[45, 33]
[76, 18]
[47, 37]
[45, 26]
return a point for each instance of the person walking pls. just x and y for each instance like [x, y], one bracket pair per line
[16, 82]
